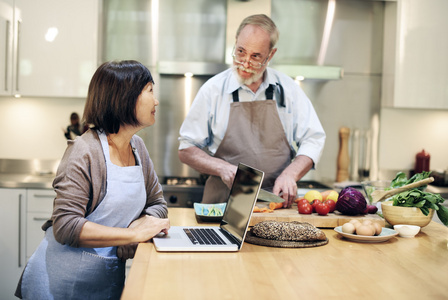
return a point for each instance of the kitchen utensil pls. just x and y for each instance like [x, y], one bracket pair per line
[372, 185]
[395, 215]
[378, 195]
[264, 195]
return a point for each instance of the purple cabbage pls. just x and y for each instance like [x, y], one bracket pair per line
[351, 202]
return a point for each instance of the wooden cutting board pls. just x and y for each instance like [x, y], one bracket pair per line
[331, 220]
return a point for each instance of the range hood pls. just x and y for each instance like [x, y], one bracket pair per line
[237, 10]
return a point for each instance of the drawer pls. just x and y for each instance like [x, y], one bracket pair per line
[34, 232]
[40, 200]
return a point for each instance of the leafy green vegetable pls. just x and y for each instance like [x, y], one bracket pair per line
[401, 179]
[419, 198]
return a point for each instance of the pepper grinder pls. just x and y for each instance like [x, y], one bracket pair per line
[343, 156]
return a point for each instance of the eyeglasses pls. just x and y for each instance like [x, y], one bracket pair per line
[239, 56]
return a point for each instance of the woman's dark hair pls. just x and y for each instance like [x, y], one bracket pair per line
[113, 94]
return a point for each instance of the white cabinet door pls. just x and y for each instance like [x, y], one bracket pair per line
[57, 46]
[12, 239]
[6, 46]
[39, 210]
[416, 73]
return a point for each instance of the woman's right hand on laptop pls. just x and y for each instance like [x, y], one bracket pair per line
[146, 227]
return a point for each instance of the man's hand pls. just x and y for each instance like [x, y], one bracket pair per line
[286, 184]
[286, 187]
[227, 174]
[206, 164]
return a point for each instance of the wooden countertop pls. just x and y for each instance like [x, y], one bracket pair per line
[415, 268]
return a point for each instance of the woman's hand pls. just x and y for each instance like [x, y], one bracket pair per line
[146, 227]
[126, 252]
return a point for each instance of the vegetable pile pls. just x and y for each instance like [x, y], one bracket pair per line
[417, 197]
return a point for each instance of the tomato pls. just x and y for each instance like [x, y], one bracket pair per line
[305, 208]
[315, 203]
[302, 201]
[322, 209]
[331, 204]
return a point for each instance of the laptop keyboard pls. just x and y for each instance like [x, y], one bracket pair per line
[204, 236]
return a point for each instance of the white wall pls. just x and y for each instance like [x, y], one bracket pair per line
[405, 132]
[33, 128]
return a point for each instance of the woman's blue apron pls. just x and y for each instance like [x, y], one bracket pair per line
[58, 271]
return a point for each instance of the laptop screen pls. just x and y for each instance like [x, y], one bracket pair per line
[241, 201]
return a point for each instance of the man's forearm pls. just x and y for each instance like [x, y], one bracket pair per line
[201, 161]
[299, 167]
[206, 164]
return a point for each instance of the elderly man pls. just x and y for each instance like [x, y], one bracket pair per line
[252, 114]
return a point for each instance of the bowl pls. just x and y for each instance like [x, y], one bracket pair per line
[397, 215]
[407, 231]
[209, 212]
[370, 186]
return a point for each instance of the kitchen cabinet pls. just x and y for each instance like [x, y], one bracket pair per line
[415, 64]
[6, 40]
[39, 210]
[52, 47]
[12, 237]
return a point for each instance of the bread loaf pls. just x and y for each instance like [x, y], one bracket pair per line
[288, 231]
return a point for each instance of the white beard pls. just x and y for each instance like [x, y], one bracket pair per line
[254, 78]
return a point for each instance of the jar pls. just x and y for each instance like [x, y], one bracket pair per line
[422, 161]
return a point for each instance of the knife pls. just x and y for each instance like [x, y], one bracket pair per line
[264, 195]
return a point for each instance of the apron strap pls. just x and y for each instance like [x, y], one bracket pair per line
[235, 96]
[269, 94]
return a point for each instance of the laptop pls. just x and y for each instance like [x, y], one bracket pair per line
[230, 234]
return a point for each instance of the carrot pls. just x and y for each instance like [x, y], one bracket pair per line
[274, 205]
[262, 210]
[257, 209]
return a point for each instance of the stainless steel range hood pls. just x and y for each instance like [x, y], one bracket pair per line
[236, 11]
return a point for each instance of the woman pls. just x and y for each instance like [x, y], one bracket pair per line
[108, 195]
[75, 128]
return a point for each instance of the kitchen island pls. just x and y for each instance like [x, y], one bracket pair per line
[400, 268]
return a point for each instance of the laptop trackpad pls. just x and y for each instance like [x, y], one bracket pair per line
[171, 236]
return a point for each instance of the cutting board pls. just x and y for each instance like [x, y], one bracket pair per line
[331, 220]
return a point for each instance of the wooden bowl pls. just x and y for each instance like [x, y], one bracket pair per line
[396, 215]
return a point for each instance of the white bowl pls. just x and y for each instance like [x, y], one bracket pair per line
[407, 231]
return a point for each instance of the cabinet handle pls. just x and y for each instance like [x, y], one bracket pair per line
[40, 219]
[20, 231]
[7, 45]
[43, 196]
[19, 25]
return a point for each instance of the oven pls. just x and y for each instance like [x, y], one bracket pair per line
[182, 191]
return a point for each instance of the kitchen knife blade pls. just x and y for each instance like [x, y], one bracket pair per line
[264, 195]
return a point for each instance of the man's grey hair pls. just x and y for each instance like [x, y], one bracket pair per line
[265, 23]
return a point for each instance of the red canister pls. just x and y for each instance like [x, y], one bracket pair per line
[422, 162]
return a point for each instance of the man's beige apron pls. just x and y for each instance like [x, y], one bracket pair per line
[254, 136]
